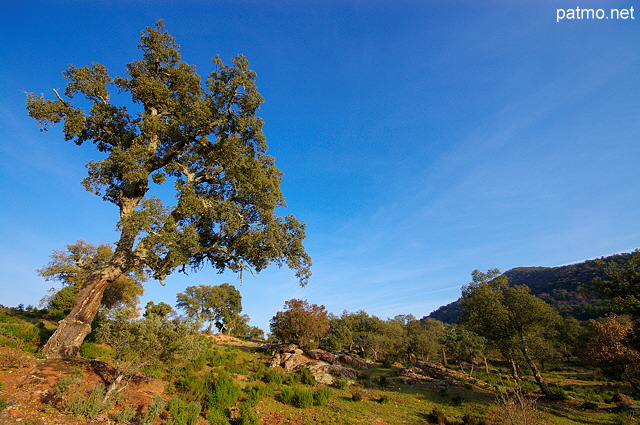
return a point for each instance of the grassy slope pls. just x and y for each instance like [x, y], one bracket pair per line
[394, 403]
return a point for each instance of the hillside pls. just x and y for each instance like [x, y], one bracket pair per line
[563, 287]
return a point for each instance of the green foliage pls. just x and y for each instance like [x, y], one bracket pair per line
[125, 415]
[161, 309]
[357, 396]
[300, 323]
[305, 376]
[463, 345]
[273, 375]
[215, 417]
[257, 392]
[214, 304]
[233, 361]
[304, 397]
[247, 416]
[73, 266]
[223, 392]
[90, 350]
[341, 382]
[148, 341]
[153, 412]
[622, 284]
[206, 137]
[473, 419]
[437, 416]
[89, 405]
[183, 412]
[287, 395]
[21, 334]
[321, 396]
[300, 397]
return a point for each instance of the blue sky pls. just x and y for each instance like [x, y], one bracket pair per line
[419, 140]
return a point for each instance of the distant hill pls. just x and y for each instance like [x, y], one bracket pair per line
[562, 287]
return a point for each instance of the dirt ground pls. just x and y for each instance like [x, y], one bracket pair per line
[29, 389]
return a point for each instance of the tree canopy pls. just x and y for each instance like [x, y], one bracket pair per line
[201, 138]
[72, 267]
[508, 316]
[218, 304]
[301, 323]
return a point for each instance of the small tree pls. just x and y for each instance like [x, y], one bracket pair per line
[608, 348]
[508, 316]
[150, 341]
[161, 309]
[214, 304]
[73, 266]
[464, 346]
[300, 323]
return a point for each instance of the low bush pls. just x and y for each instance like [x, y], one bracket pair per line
[247, 416]
[125, 415]
[153, 412]
[223, 392]
[357, 396]
[321, 396]
[341, 382]
[216, 417]
[437, 416]
[473, 419]
[303, 397]
[273, 376]
[257, 392]
[183, 412]
[89, 405]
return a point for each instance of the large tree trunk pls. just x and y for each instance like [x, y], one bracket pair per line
[72, 330]
[536, 374]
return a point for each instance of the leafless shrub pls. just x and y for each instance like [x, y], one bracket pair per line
[516, 408]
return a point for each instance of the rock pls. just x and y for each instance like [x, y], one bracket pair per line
[626, 407]
[325, 356]
[352, 361]
[620, 398]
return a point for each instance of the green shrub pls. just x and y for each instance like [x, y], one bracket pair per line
[247, 416]
[306, 377]
[382, 381]
[383, 399]
[183, 412]
[223, 392]
[287, 395]
[257, 392]
[437, 416]
[24, 336]
[457, 400]
[473, 419]
[321, 396]
[125, 415]
[341, 382]
[559, 392]
[216, 417]
[274, 376]
[357, 396]
[304, 397]
[4, 403]
[190, 384]
[153, 412]
[89, 405]
[589, 405]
